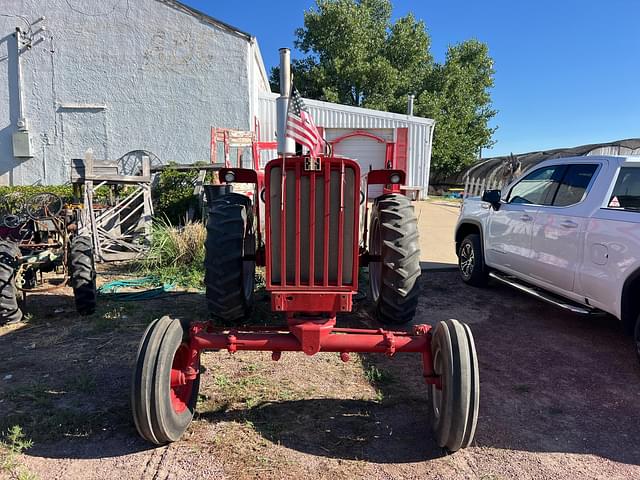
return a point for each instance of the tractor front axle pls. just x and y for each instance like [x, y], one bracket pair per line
[316, 335]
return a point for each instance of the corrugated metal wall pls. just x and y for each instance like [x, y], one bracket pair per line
[331, 115]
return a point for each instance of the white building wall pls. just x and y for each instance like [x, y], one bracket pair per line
[331, 115]
[118, 76]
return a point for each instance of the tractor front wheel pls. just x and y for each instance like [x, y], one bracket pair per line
[395, 265]
[166, 381]
[83, 274]
[230, 264]
[9, 310]
[455, 402]
[636, 337]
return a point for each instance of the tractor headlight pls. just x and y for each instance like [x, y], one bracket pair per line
[395, 178]
[229, 177]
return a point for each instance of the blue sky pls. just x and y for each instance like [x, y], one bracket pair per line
[567, 71]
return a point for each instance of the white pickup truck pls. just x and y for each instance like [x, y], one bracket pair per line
[567, 231]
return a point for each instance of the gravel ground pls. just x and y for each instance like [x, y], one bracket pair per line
[559, 398]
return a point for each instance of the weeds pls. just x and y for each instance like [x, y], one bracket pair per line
[176, 254]
[14, 443]
[375, 376]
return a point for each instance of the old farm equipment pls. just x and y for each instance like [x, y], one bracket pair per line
[40, 251]
[312, 248]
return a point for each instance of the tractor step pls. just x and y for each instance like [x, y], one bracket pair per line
[542, 295]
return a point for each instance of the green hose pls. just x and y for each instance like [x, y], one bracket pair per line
[158, 289]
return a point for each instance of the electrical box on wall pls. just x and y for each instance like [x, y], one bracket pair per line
[22, 144]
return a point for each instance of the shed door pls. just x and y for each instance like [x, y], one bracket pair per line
[368, 152]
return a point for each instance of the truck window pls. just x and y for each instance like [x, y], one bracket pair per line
[537, 188]
[574, 184]
[626, 193]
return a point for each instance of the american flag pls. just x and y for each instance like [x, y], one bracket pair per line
[300, 125]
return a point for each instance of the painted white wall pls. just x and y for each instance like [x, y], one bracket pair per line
[118, 77]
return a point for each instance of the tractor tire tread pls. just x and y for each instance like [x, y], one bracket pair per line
[9, 310]
[83, 274]
[399, 286]
[230, 221]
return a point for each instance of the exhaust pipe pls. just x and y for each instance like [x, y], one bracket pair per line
[410, 99]
[286, 146]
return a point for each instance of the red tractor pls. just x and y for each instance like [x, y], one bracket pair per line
[313, 247]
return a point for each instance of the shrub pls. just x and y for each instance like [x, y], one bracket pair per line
[173, 194]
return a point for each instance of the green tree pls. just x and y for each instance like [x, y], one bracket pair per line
[356, 55]
[457, 96]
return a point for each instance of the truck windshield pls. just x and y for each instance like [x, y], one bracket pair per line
[626, 193]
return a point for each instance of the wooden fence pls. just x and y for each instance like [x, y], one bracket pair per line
[473, 187]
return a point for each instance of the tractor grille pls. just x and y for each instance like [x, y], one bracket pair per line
[312, 236]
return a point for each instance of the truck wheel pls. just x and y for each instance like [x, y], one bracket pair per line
[9, 310]
[471, 261]
[230, 258]
[83, 274]
[393, 279]
[454, 406]
[163, 396]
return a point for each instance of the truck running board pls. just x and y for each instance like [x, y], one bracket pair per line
[547, 297]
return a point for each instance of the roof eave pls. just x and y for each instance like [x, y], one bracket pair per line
[208, 19]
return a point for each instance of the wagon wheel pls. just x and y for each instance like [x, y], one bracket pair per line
[454, 407]
[43, 205]
[166, 381]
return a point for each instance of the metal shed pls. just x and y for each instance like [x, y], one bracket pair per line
[371, 136]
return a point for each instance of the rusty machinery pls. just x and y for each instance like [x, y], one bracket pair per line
[317, 232]
[41, 251]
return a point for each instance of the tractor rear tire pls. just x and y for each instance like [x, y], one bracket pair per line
[9, 310]
[454, 407]
[161, 411]
[83, 274]
[230, 259]
[393, 280]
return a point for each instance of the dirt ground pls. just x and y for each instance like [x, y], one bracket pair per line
[560, 398]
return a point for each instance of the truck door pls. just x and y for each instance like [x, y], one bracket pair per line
[509, 229]
[559, 227]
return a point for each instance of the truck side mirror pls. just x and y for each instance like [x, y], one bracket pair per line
[492, 197]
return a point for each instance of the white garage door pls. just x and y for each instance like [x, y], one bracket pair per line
[369, 153]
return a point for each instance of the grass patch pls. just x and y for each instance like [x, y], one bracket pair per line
[249, 389]
[176, 254]
[375, 376]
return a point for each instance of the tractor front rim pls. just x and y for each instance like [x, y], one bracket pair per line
[467, 260]
[436, 392]
[375, 268]
[181, 389]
